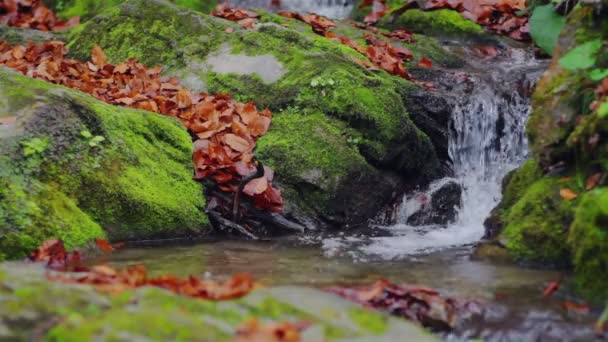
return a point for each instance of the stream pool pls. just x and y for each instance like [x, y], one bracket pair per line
[512, 296]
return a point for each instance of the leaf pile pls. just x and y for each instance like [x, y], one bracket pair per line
[226, 131]
[32, 14]
[422, 305]
[498, 16]
[254, 331]
[244, 18]
[110, 280]
[382, 54]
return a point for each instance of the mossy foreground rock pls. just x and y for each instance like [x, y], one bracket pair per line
[539, 222]
[74, 168]
[340, 132]
[34, 308]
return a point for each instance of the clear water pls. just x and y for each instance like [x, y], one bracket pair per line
[487, 140]
[514, 308]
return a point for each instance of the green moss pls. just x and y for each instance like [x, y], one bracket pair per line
[443, 22]
[589, 240]
[311, 153]
[518, 182]
[537, 225]
[136, 184]
[368, 320]
[86, 9]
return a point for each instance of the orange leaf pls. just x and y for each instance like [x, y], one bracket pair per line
[104, 245]
[256, 186]
[551, 287]
[425, 63]
[567, 194]
[593, 181]
[237, 143]
[98, 56]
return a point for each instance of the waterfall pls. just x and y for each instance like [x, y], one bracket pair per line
[487, 140]
[337, 9]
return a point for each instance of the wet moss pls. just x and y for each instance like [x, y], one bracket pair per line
[589, 240]
[136, 184]
[368, 320]
[536, 227]
[443, 22]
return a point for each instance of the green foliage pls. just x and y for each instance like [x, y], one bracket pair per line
[545, 27]
[34, 146]
[583, 56]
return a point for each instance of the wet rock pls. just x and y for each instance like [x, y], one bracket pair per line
[440, 206]
[340, 133]
[57, 311]
[492, 252]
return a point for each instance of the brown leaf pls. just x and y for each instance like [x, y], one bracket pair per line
[237, 143]
[593, 181]
[104, 245]
[256, 186]
[8, 120]
[568, 194]
[425, 63]
[98, 56]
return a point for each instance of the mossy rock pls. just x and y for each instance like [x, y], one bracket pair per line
[589, 240]
[33, 307]
[539, 225]
[86, 9]
[536, 226]
[77, 169]
[283, 65]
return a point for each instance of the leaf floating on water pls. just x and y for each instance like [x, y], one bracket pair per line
[581, 309]
[568, 194]
[551, 288]
[419, 304]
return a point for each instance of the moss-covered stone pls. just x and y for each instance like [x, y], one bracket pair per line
[568, 147]
[76, 168]
[536, 226]
[300, 72]
[589, 240]
[33, 307]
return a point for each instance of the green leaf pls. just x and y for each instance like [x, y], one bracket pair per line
[545, 26]
[86, 134]
[96, 140]
[581, 57]
[602, 111]
[598, 74]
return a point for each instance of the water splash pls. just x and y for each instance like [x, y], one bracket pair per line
[337, 9]
[487, 140]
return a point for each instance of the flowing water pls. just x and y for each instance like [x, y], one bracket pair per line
[490, 100]
[487, 140]
[337, 9]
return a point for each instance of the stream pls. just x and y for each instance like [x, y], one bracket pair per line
[490, 100]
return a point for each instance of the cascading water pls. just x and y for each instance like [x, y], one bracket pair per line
[337, 9]
[487, 140]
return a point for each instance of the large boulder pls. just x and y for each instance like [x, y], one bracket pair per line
[75, 168]
[539, 219]
[34, 308]
[341, 133]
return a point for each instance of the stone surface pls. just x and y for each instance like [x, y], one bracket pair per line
[34, 308]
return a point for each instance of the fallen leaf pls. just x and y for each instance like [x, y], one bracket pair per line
[551, 287]
[104, 245]
[425, 63]
[8, 120]
[593, 181]
[581, 309]
[568, 194]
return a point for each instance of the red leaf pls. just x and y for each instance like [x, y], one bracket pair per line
[551, 287]
[104, 245]
[425, 63]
